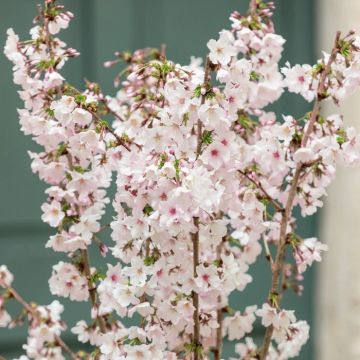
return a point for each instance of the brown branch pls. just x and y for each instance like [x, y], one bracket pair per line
[195, 236]
[276, 205]
[279, 260]
[92, 289]
[33, 312]
[195, 295]
[106, 104]
[203, 98]
[112, 132]
[219, 313]
[143, 297]
[86, 264]
[268, 253]
[253, 7]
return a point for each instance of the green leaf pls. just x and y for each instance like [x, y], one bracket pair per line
[50, 112]
[177, 169]
[217, 262]
[344, 48]
[80, 99]
[61, 150]
[341, 136]
[134, 342]
[207, 137]
[197, 91]
[79, 169]
[254, 76]
[97, 276]
[149, 260]
[209, 95]
[148, 210]
[163, 158]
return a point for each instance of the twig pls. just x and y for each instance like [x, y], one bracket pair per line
[32, 310]
[86, 265]
[203, 98]
[268, 253]
[195, 236]
[143, 296]
[276, 205]
[195, 295]
[253, 7]
[279, 260]
[105, 102]
[92, 289]
[219, 313]
[111, 131]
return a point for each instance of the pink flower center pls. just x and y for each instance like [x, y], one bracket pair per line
[276, 155]
[206, 277]
[214, 152]
[159, 273]
[301, 79]
[172, 211]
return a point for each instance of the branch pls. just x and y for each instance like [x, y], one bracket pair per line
[86, 263]
[92, 289]
[276, 205]
[195, 295]
[279, 260]
[32, 310]
[111, 131]
[219, 313]
[203, 98]
[195, 236]
[253, 7]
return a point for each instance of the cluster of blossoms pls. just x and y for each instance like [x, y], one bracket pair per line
[206, 179]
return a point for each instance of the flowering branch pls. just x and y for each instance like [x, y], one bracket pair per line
[202, 171]
[33, 312]
[280, 254]
[195, 236]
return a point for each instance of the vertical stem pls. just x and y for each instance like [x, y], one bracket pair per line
[92, 290]
[143, 296]
[35, 315]
[279, 260]
[253, 7]
[87, 271]
[195, 295]
[219, 315]
[195, 236]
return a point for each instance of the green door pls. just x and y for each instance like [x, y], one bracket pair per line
[100, 28]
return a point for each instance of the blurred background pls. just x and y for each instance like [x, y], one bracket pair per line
[99, 29]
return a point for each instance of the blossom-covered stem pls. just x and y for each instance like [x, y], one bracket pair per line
[219, 316]
[112, 132]
[144, 297]
[196, 262]
[32, 310]
[321, 88]
[253, 7]
[195, 236]
[108, 109]
[203, 98]
[92, 289]
[279, 259]
[86, 269]
[268, 253]
[276, 205]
